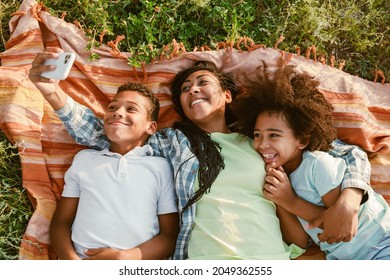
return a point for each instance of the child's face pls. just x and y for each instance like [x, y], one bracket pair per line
[274, 140]
[127, 122]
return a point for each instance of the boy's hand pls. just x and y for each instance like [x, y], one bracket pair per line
[113, 254]
[45, 85]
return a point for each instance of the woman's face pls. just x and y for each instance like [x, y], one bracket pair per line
[203, 100]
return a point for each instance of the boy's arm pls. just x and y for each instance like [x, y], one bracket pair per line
[60, 228]
[48, 87]
[81, 123]
[162, 246]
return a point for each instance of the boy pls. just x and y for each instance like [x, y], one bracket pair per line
[121, 198]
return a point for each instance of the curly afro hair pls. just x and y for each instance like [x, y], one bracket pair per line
[296, 98]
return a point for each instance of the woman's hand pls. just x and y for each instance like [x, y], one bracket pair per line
[340, 221]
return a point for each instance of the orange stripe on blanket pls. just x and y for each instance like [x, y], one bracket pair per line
[31, 129]
[381, 114]
[57, 147]
[23, 39]
[167, 117]
[14, 77]
[380, 164]
[21, 60]
[368, 115]
[31, 248]
[354, 121]
[36, 173]
[382, 188]
[369, 140]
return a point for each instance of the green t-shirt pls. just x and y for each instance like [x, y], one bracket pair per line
[234, 220]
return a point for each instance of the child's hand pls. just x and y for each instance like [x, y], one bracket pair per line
[45, 85]
[277, 186]
[113, 254]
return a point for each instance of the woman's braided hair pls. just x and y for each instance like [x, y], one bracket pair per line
[206, 150]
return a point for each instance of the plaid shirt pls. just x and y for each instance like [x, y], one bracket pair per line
[172, 144]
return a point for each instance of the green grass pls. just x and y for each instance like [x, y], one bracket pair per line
[15, 208]
[354, 30]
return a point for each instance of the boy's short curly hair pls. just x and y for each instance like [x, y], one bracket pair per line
[146, 92]
[297, 99]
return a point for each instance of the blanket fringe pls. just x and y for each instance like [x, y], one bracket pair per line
[379, 73]
[175, 48]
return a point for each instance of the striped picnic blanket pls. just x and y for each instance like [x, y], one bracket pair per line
[362, 108]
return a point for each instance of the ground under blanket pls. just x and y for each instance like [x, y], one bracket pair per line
[362, 108]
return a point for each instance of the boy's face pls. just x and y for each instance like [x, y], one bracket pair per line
[274, 140]
[127, 123]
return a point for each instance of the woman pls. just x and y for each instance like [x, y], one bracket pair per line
[217, 222]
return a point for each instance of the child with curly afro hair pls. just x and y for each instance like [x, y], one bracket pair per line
[291, 124]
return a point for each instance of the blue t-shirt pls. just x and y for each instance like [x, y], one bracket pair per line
[320, 173]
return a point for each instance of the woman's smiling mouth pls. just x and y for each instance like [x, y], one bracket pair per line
[197, 101]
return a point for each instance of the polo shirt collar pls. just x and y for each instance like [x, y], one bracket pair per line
[143, 151]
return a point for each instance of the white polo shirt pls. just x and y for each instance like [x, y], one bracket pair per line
[119, 197]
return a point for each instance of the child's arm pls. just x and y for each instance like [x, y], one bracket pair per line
[48, 87]
[291, 228]
[162, 246]
[60, 229]
[278, 189]
[81, 123]
[331, 197]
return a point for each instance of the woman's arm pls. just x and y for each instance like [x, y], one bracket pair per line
[162, 246]
[340, 221]
[60, 229]
[358, 169]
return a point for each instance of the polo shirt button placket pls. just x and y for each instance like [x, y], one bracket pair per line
[122, 167]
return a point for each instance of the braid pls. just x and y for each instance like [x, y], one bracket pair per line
[207, 152]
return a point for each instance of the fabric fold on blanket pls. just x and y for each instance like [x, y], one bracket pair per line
[361, 115]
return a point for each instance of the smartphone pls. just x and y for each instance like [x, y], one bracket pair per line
[63, 64]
